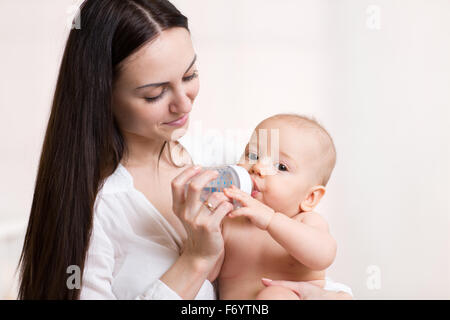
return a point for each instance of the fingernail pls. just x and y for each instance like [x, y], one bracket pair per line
[197, 168]
[266, 279]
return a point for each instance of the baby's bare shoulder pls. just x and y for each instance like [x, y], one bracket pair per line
[312, 219]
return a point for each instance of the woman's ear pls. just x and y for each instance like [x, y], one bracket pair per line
[312, 198]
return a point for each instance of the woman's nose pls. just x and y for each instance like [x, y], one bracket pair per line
[181, 102]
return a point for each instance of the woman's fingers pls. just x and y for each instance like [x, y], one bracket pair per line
[212, 218]
[221, 211]
[217, 198]
[195, 189]
[306, 290]
[293, 285]
[178, 185]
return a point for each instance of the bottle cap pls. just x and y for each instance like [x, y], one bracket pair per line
[245, 182]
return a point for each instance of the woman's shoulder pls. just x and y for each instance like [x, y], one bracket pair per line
[119, 181]
[114, 192]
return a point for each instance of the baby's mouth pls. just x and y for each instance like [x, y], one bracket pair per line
[255, 188]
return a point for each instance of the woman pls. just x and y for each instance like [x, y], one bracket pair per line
[109, 196]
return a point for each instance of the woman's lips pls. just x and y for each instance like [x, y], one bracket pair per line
[179, 122]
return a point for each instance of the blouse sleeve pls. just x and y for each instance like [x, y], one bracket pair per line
[98, 271]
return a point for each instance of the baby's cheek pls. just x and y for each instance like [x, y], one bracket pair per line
[275, 198]
[284, 198]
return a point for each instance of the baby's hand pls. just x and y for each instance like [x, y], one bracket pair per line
[258, 213]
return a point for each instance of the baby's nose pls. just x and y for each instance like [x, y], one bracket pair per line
[262, 169]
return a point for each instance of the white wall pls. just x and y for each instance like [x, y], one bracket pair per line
[380, 86]
[32, 35]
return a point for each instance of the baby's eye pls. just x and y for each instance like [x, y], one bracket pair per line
[281, 167]
[252, 156]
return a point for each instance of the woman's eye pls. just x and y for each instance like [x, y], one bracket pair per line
[281, 167]
[185, 79]
[191, 77]
[153, 99]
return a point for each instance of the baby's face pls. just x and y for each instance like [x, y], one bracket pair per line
[282, 183]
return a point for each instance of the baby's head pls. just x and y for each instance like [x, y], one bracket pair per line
[291, 170]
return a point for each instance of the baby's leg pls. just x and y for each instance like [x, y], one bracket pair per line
[276, 293]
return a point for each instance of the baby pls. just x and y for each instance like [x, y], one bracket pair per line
[275, 233]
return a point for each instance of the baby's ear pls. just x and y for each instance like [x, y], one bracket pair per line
[312, 198]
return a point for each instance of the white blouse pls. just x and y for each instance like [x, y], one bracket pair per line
[132, 245]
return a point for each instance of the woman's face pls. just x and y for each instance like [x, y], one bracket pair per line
[156, 86]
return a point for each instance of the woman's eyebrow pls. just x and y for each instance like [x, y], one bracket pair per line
[192, 63]
[164, 83]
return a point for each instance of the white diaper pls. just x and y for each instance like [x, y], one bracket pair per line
[336, 286]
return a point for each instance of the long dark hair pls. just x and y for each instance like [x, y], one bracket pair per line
[82, 144]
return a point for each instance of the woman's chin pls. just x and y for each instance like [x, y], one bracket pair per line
[175, 133]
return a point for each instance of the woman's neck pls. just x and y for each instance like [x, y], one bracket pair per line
[144, 152]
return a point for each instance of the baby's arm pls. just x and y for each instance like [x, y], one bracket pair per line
[305, 238]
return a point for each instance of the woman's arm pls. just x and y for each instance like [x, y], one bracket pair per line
[182, 281]
[201, 250]
[98, 279]
[186, 276]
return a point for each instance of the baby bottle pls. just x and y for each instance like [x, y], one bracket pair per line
[230, 175]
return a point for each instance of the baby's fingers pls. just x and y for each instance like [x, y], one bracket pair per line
[238, 195]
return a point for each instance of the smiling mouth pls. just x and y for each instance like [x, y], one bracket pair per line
[178, 122]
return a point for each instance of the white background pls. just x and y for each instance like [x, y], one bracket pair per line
[376, 74]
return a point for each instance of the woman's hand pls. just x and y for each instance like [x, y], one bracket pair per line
[308, 291]
[204, 241]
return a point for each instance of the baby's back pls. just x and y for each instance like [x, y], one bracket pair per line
[252, 254]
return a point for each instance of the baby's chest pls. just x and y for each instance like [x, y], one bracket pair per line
[250, 249]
